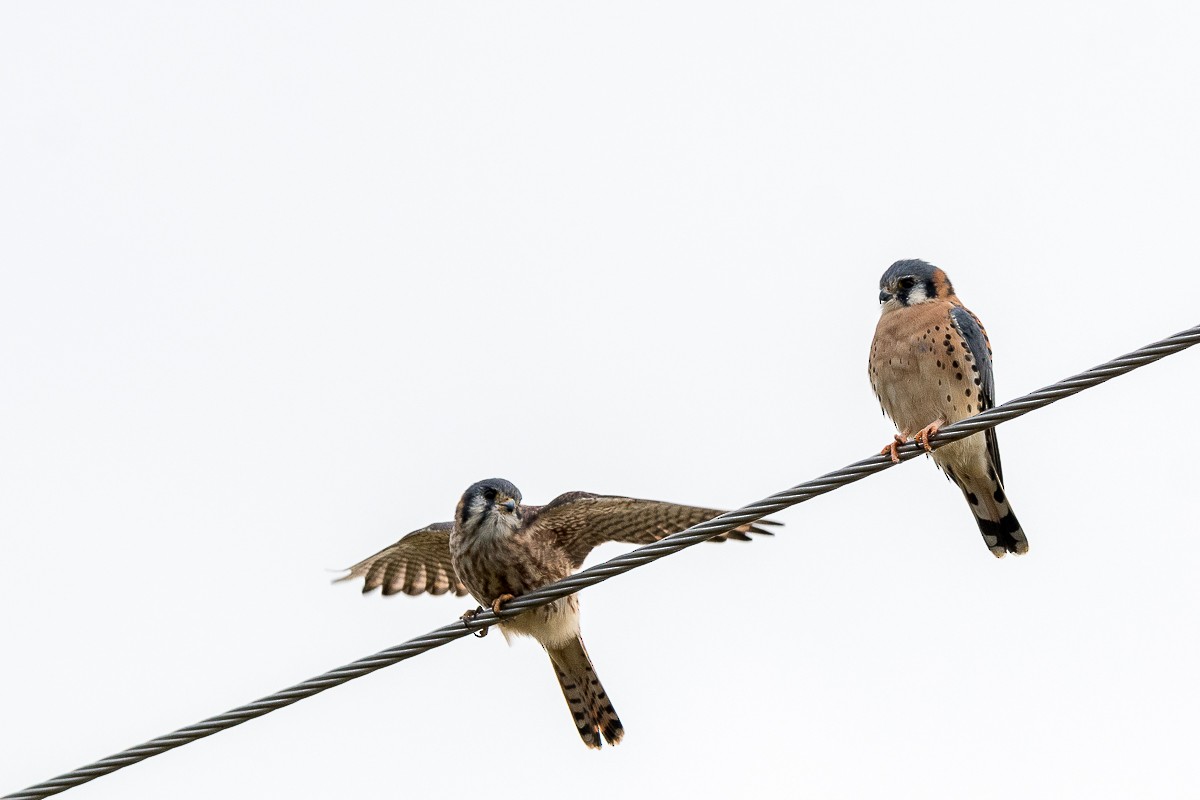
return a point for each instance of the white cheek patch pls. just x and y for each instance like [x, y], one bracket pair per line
[917, 294]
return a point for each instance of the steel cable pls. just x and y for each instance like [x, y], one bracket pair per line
[615, 566]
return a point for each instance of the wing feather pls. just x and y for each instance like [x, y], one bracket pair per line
[418, 563]
[976, 340]
[580, 521]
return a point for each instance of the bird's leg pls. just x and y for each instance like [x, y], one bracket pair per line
[892, 448]
[470, 615]
[923, 436]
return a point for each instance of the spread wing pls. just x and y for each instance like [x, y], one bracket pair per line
[580, 521]
[976, 341]
[420, 562]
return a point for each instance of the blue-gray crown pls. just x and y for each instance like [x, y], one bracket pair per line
[915, 267]
[491, 487]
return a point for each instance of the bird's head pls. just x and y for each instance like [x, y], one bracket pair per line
[489, 506]
[907, 283]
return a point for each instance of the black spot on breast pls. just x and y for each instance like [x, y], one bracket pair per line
[972, 498]
[968, 392]
[954, 364]
[949, 399]
[977, 381]
[969, 408]
[998, 495]
[939, 363]
[958, 376]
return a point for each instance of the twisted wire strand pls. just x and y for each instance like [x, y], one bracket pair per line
[615, 566]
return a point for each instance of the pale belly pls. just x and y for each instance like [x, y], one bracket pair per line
[554, 624]
[919, 382]
[912, 388]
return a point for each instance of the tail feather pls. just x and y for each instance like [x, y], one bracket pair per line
[997, 523]
[593, 713]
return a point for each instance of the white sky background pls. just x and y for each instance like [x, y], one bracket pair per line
[280, 281]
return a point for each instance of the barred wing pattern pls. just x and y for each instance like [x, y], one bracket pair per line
[419, 562]
[580, 521]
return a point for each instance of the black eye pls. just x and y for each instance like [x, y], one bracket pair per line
[490, 495]
[907, 282]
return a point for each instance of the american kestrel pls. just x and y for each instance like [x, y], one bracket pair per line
[931, 365]
[497, 549]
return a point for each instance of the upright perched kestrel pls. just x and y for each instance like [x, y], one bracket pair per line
[931, 365]
[497, 549]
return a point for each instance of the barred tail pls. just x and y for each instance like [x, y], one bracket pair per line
[593, 713]
[997, 523]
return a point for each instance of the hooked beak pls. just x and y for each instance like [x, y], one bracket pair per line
[885, 296]
[510, 505]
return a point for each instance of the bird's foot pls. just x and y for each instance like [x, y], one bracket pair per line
[923, 436]
[893, 447]
[470, 615]
[504, 598]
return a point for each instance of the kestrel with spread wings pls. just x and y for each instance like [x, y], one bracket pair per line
[497, 549]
